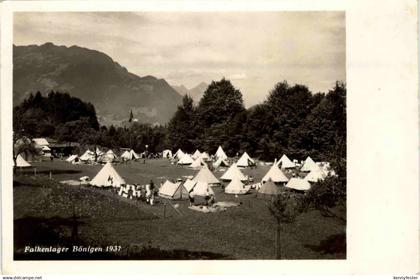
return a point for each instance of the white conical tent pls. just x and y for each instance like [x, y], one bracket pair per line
[126, 155]
[202, 189]
[220, 154]
[197, 163]
[167, 153]
[308, 165]
[134, 155]
[189, 184]
[298, 184]
[179, 154]
[236, 187]
[232, 173]
[220, 162]
[204, 156]
[107, 177]
[205, 175]
[173, 190]
[108, 156]
[196, 154]
[276, 175]
[285, 162]
[88, 155]
[269, 188]
[245, 160]
[315, 175]
[21, 162]
[185, 160]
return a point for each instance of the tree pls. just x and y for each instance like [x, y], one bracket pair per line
[22, 145]
[181, 128]
[131, 116]
[285, 208]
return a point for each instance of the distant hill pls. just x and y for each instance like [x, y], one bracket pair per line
[94, 77]
[196, 92]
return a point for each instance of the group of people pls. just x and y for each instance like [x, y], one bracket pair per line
[146, 193]
[209, 199]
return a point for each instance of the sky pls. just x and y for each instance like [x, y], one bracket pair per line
[254, 50]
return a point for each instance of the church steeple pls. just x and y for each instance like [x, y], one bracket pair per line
[131, 116]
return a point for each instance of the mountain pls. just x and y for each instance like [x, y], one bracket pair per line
[94, 77]
[196, 92]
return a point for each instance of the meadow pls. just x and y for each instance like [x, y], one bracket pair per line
[47, 212]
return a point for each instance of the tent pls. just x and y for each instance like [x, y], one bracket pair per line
[205, 156]
[107, 177]
[108, 156]
[21, 162]
[285, 162]
[173, 190]
[185, 160]
[130, 155]
[134, 155]
[88, 156]
[73, 159]
[232, 173]
[40, 142]
[167, 154]
[196, 154]
[220, 162]
[275, 174]
[245, 160]
[197, 163]
[179, 154]
[202, 189]
[269, 188]
[315, 175]
[220, 154]
[189, 184]
[298, 184]
[205, 175]
[236, 187]
[99, 152]
[308, 165]
[126, 155]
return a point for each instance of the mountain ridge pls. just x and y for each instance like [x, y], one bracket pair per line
[95, 77]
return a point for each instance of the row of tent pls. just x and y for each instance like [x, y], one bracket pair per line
[109, 156]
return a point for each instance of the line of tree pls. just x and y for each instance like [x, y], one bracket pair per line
[291, 120]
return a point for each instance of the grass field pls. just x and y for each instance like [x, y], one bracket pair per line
[44, 210]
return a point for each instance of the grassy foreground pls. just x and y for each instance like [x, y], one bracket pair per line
[48, 213]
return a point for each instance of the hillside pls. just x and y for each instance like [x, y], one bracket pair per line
[94, 77]
[196, 92]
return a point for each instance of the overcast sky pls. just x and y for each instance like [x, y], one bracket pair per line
[253, 50]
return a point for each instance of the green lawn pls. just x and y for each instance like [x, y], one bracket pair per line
[244, 232]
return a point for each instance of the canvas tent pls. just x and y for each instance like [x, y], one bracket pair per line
[107, 177]
[220, 154]
[179, 154]
[232, 173]
[269, 188]
[245, 160]
[130, 155]
[73, 159]
[205, 175]
[197, 163]
[275, 174]
[236, 187]
[220, 162]
[308, 165]
[205, 156]
[189, 184]
[134, 155]
[173, 190]
[202, 189]
[285, 162]
[88, 156]
[40, 142]
[108, 156]
[196, 154]
[298, 184]
[185, 160]
[99, 152]
[315, 175]
[167, 154]
[21, 162]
